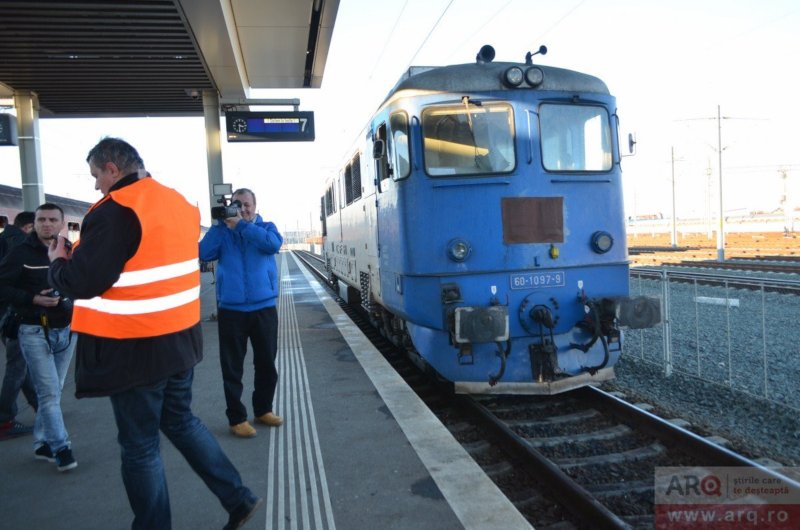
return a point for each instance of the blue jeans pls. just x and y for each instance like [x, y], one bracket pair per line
[166, 405]
[48, 356]
[15, 379]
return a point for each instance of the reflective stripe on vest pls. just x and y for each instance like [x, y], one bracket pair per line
[158, 291]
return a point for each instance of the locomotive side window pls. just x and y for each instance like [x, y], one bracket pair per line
[348, 184]
[401, 157]
[575, 138]
[468, 140]
[330, 205]
[323, 208]
[356, 178]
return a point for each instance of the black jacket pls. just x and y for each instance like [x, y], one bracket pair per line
[110, 236]
[23, 274]
[11, 237]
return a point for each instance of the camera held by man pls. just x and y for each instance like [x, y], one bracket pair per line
[226, 210]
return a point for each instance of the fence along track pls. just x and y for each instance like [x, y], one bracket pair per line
[729, 330]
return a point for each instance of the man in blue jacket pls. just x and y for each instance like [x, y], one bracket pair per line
[247, 294]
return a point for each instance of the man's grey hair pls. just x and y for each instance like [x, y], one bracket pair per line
[118, 151]
[245, 190]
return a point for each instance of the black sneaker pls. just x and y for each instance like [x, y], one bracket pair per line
[43, 452]
[12, 429]
[243, 513]
[65, 461]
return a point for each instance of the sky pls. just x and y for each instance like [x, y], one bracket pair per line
[670, 64]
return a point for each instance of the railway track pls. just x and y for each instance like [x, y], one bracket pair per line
[600, 452]
[585, 459]
[722, 278]
[752, 265]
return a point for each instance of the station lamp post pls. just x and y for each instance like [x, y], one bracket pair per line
[721, 227]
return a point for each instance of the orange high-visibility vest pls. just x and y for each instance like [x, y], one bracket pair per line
[158, 291]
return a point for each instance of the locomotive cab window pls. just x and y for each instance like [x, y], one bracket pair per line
[575, 138]
[469, 139]
[401, 157]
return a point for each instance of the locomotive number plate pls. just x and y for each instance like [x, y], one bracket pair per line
[533, 280]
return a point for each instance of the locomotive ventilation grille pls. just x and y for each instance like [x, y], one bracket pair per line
[364, 281]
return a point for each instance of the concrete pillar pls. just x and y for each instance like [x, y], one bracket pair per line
[30, 156]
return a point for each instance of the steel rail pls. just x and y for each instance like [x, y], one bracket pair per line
[676, 435]
[582, 503]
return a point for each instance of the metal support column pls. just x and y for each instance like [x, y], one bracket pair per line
[213, 143]
[30, 156]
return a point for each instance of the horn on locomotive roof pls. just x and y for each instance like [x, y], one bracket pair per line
[485, 55]
[529, 55]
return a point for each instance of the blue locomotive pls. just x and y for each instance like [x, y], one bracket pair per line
[479, 220]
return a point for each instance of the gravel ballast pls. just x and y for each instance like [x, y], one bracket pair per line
[755, 427]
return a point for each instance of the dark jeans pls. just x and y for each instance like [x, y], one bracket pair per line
[235, 327]
[16, 378]
[166, 405]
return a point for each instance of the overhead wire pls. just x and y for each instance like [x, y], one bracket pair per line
[559, 21]
[388, 40]
[429, 33]
[490, 19]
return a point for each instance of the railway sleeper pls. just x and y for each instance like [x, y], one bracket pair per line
[460, 428]
[500, 468]
[641, 453]
[575, 417]
[617, 431]
[530, 500]
[477, 447]
[542, 405]
[619, 489]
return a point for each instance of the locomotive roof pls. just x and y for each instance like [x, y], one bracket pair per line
[478, 77]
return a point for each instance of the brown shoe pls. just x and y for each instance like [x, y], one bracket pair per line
[270, 419]
[243, 430]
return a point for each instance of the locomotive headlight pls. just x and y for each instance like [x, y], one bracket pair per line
[513, 76]
[534, 76]
[602, 242]
[458, 250]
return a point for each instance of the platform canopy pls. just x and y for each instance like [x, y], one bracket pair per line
[102, 58]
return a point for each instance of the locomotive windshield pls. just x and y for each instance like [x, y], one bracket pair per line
[468, 139]
[575, 138]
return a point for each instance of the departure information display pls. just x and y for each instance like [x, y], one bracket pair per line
[270, 126]
[8, 129]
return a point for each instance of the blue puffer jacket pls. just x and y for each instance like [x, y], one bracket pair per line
[247, 277]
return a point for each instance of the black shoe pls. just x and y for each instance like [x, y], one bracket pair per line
[65, 460]
[44, 453]
[242, 514]
[12, 429]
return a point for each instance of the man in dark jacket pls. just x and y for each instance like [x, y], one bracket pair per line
[44, 332]
[247, 292]
[16, 377]
[15, 234]
[135, 279]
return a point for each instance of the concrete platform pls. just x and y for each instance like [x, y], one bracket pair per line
[358, 449]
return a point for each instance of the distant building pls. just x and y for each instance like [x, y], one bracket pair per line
[302, 240]
[11, 205]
